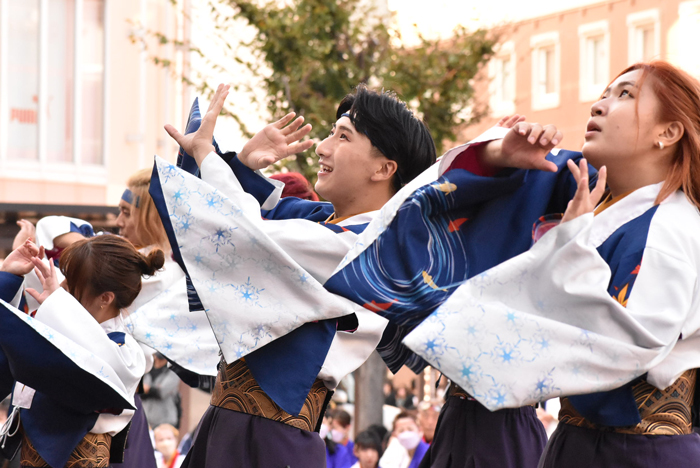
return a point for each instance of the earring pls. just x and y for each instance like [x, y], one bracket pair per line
[661, 145]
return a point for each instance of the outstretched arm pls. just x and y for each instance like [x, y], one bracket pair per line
[276, 141]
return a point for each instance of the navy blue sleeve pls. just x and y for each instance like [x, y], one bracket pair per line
[252, 183]
[295, 208]
[9, 285]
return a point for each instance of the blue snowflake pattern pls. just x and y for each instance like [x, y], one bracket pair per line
[248, 293]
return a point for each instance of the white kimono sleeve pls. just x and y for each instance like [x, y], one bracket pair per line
[543, 324]
[63, 313]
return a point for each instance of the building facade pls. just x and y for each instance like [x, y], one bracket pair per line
[552, 68]
[81, 102]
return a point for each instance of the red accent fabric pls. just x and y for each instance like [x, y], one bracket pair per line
[172, 462]
[467, 160]
[295, 185]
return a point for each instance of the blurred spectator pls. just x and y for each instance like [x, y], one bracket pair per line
[547, 413]
[428, 414]
[337, 455]
[406, 447]
[340, 434]
[161, 396]
[389, 394]
[382, 434]
[367, 449]
[165, 437]
[404, 398]
[295, 185]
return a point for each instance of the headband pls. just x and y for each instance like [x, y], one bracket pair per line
[128, 196]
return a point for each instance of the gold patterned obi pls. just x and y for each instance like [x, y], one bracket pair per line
[91, 452]
[237, 390]
[663, 412]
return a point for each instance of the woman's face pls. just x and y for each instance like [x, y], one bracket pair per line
[623, 123]
[126, 222]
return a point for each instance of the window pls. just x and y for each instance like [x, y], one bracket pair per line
[502, 75]
[643, 36]
[51, 87]
[594, 63]
[545, 70]
[689, 36]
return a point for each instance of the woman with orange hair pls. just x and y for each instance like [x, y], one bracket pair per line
[604, 308]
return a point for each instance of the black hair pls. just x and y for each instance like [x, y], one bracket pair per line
[392, 129]
[369, 440]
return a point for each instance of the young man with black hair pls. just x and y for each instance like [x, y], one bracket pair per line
[376, 145]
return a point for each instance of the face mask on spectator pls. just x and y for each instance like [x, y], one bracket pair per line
[337, 435]
[323, 432]
[409, 439]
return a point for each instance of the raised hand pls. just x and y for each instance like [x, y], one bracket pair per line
[26, 231]
[199, 144]
[585, 200]
[19, 262]
[526, 145]
[47, 276]
[508, 121]
[276, 141]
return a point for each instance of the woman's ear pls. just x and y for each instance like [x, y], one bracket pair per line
[106, 299]
[386, 171]
[671, 134]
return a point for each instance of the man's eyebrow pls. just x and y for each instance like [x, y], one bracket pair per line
[345, 128]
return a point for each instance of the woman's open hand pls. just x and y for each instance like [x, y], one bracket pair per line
[19, 262]
[47, 276]
[585, 200]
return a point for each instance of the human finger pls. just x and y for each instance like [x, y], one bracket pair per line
[174, 134]
[599, 188]
[34, 293]
[299, 134]
[31, 247]
[574, 169]
[535, 133]
[41, 266]
[39, 275]
[217, 93]
[548, 134]
[557, 138]
[300, 147]
[522, 128]
[284, 120]
[292, 127]
[509, 121]
[545, 165]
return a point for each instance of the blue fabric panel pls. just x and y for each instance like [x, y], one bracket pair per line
[9, 285]
[252, 183]
[6, 379]
[156, 191]
[287, 368]
[37, 363]
[194, 121]
[623, 252]
[440, 238]
[84, 229]
[117, 337]
[54, 429]
[293, 208]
